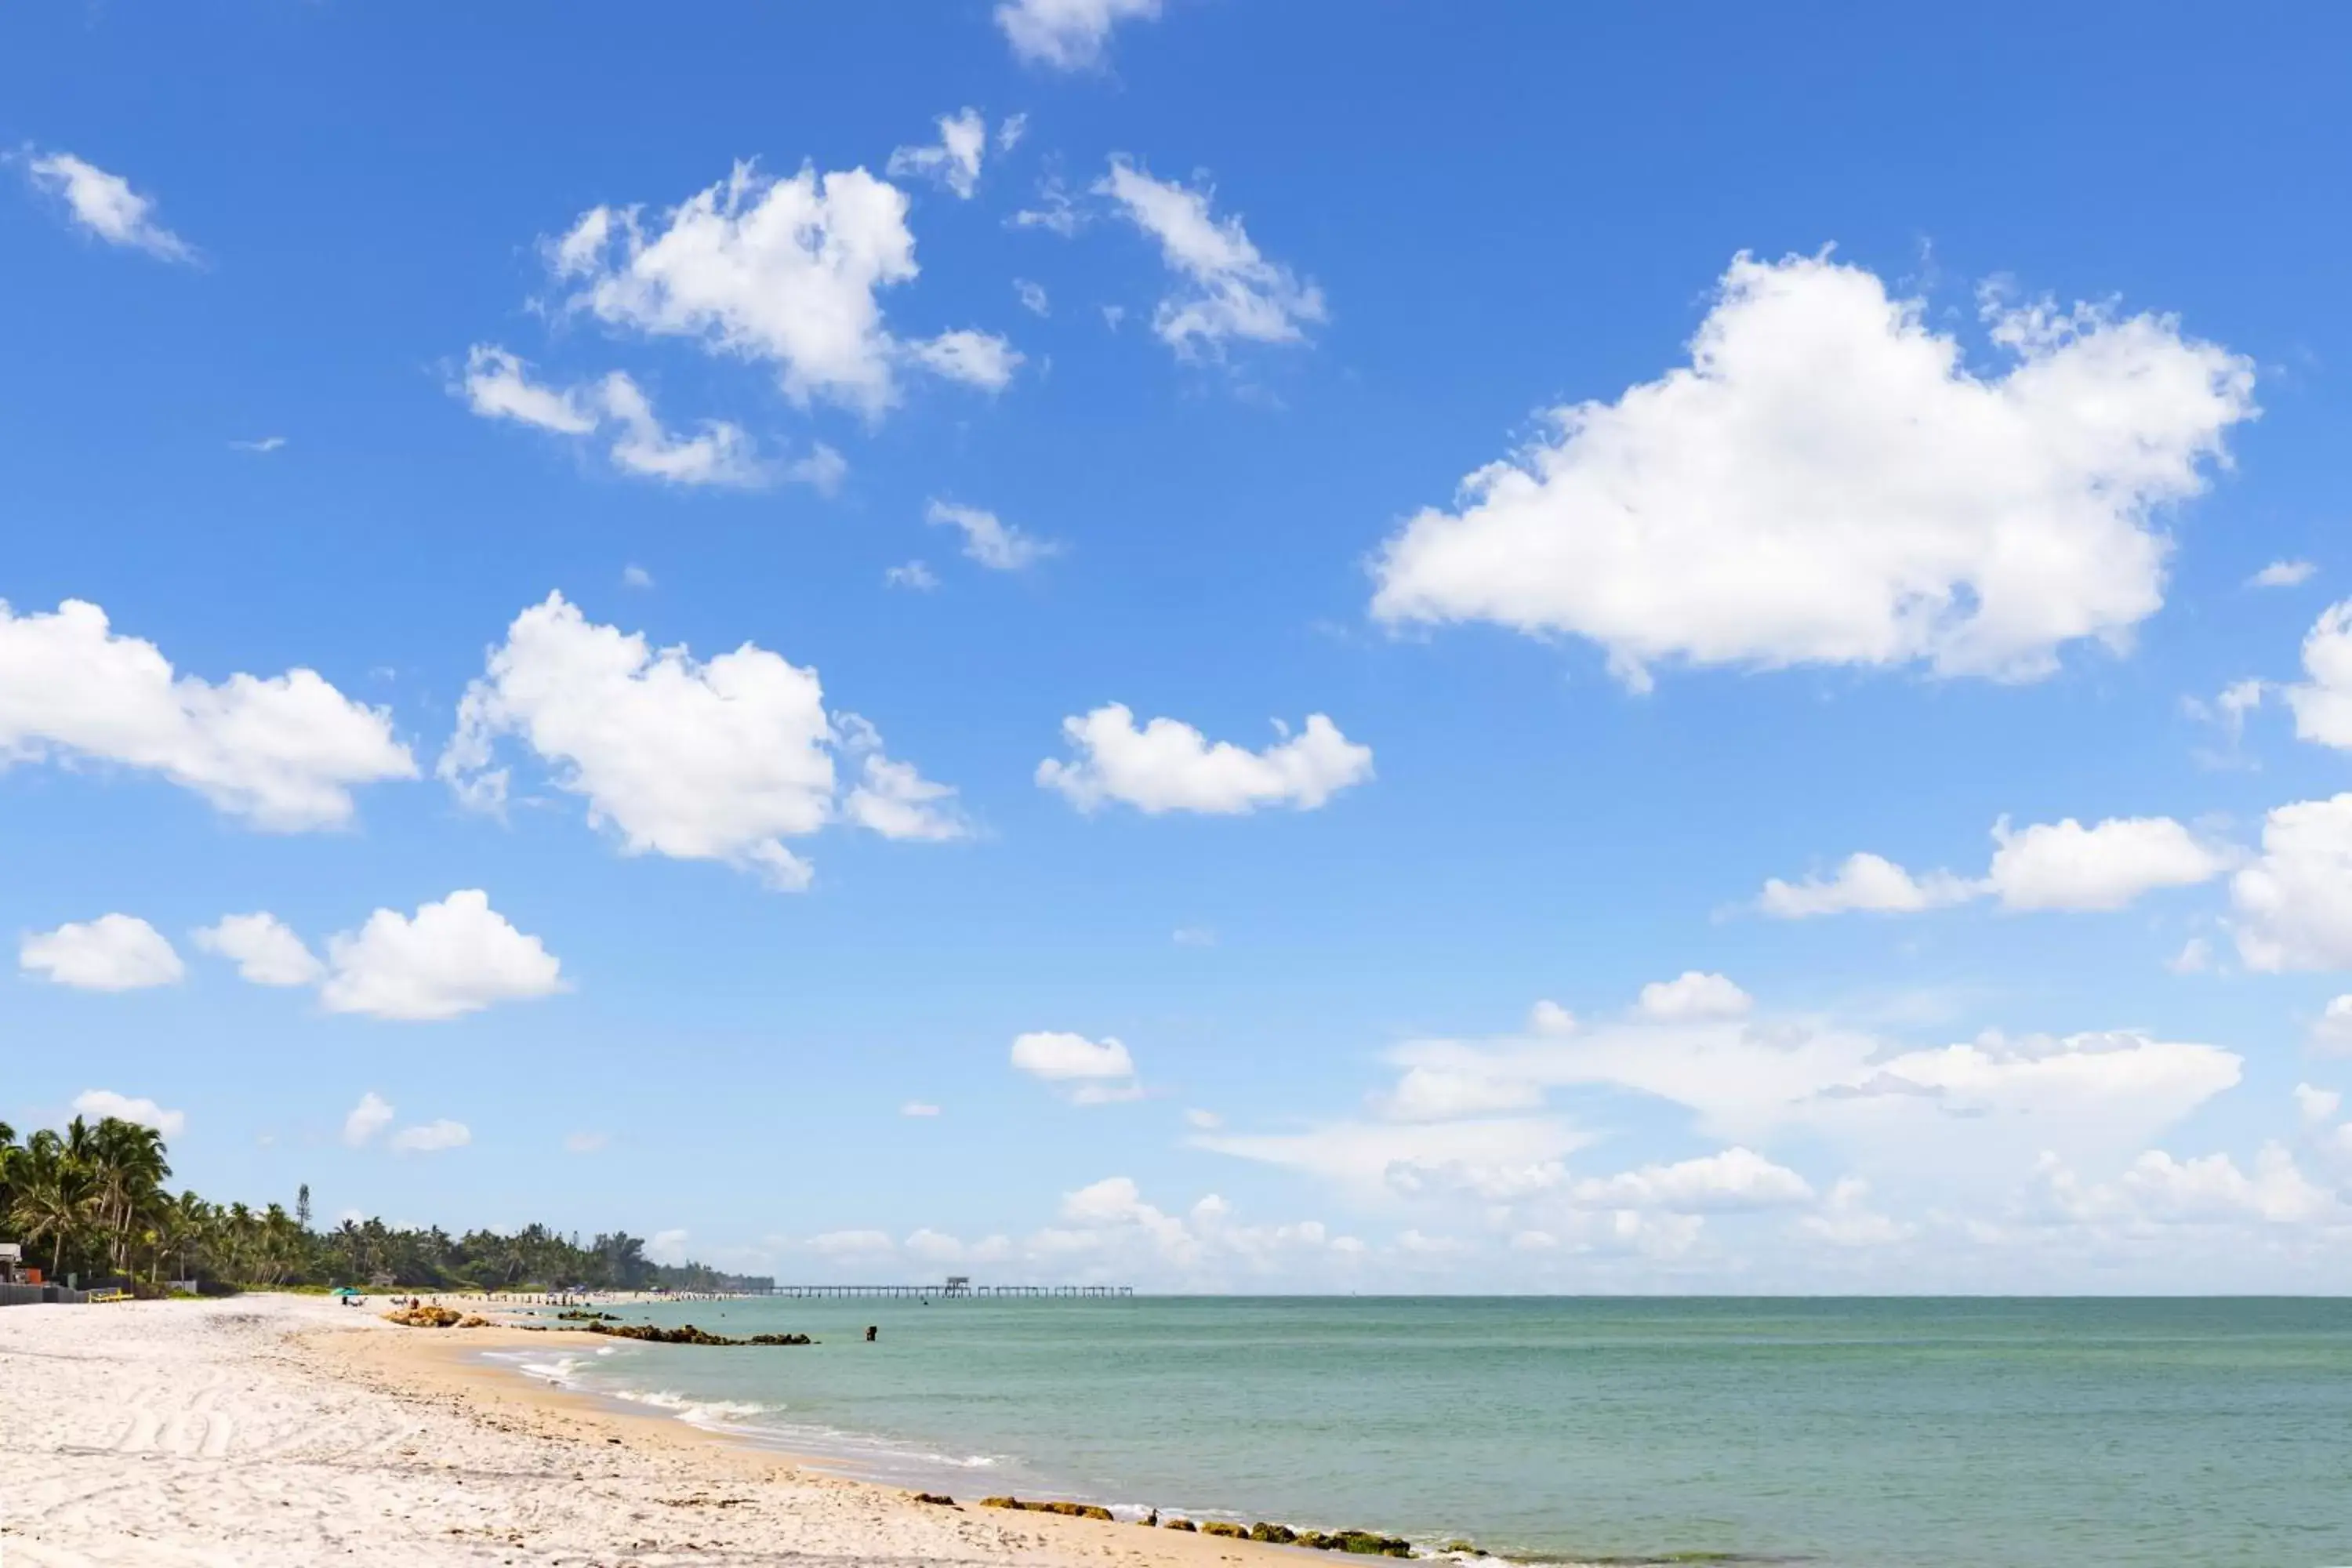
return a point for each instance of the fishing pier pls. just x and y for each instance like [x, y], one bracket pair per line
[958, 1287]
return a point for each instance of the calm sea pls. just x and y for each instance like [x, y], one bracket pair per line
[1852, 1433]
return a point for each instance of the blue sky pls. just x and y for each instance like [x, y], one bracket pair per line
[1041, 358]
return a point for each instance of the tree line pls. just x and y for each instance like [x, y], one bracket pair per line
[90, 1201]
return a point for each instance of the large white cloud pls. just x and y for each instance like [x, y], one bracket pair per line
[718, 760]
[453, 957]
[1067, 35]
[264, 948]
[1694, 993]
[112, 952]
[1168, 765]
[1090, 1072]
[2047, 865]
[371, 1116]
[1827, 482]
[2293, 904]
[104, 1103]
[1735, 1179]
[281, 753]
[1233, 291]
[787, 271]
[105, 205]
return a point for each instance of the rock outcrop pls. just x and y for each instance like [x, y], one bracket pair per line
[690, 1335]
[1069, 1509]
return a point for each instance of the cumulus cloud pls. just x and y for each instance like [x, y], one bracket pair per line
[112, 952]
[1232, 291]
[954, 160]
[1033, 296]
[914, 576]
[2047, 865]
[786, 271]
[2315, 1104]
[370, 1117]
[1443, 1094]
[101, 1103]
[1737, 1178]
[2293, 904]
[1827, 482]
[264, 948]
[453, 957]
[988, 539]
[1170, 766]
[1066, 34]
[1866, 883]
[2158, 1189]
[1694, 994]
[2283, 574]
[498, 386]
[1846, 1219]
[1092, 1072]
[431, 1137]
[719, 760]
[104, 205]
[2332, 1033]
[282, 753]
[2322, 703]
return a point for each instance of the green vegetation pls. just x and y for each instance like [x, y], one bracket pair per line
[90, 1201]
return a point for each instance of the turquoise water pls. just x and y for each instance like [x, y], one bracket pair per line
[1852, 1433]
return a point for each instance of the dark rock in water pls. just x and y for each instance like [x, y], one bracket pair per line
[1369, 1544]
[1178, 1524]
[690, 1335]
[576, 1316]
[1462, 1549]
[1219, 1527]
[939, 1497]
[1280, 1534]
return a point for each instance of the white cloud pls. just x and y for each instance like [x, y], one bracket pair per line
[1548, 1017]
[106, 206]
[1203, 1120]
[584, 1142]
[1033, 296]
[1490, 1152]
[635, 576]
[1441, 1094]
[822, 471]
[2332, 1033]
[371, 1116]
[1846, 1219]
[112, 952]
[264, 949]
[2315, 1104]
[2283, 574]
[721, 760]
[264, 446]
[498, 386]
[453, 957]
[720, 455]
[2066, 865]
[978, 359]
[1170, 766]
[2294, 904]
[668, 1248]
[2047, 865]
[101, 1103]
[988, 539]
[914, 576]
[1234, 291]
[1736, 1179]
[2213, 1188]
[431, 1137]
[1864, 882]
[918, 1108]
[1059, 1056]
[2323, 703]
[1694, 994]
[954, 160]
[1054, 212]
[1828, 483]
[1010, 131]
[281, 753]
[1066, 34]
[2195, 957]
[787, 271]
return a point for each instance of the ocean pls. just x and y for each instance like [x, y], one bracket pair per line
[1849, 1433]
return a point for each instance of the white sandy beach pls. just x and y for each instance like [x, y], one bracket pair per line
[277, 1429]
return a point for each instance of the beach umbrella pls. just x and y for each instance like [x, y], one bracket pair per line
[345, 1290]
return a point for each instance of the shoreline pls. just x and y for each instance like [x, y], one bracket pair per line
[284, 1430]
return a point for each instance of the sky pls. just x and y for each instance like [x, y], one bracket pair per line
[1224, 646]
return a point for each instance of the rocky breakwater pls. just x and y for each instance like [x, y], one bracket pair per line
[435, 1317]
[688, 1335]
[1358, 1542]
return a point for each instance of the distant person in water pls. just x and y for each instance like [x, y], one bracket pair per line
[870, 1333]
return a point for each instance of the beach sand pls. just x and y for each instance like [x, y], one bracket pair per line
[282, 1429]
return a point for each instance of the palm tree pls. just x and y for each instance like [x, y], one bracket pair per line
[51, 1194]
